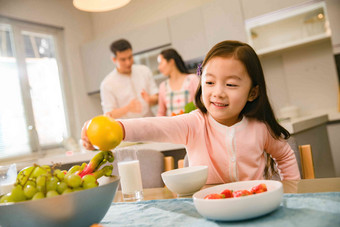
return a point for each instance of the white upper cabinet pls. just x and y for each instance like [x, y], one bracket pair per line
[150, 36]
[289, 27]
[333, 10]
[223, 21]
[188, 34]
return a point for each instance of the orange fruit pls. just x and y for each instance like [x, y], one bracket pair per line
[104, 133]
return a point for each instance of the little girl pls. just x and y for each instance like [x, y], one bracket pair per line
[234, 131]
[179, 89]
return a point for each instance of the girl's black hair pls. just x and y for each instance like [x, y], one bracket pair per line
[169, 54]
[260, 108]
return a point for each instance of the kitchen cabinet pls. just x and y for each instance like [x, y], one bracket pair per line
[149, 36]
[149, 59]
[317, 137]
[333, 129]
[257, 8]
[187, 33]
[298, 25]
[333, 9]
[97, 57]
[312, 130]
[223, 20]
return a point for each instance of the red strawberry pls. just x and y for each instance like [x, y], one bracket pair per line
[259, 188]
[227, 193]
[214, 196]
[240, 193]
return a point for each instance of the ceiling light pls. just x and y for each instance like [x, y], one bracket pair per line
[99, 5]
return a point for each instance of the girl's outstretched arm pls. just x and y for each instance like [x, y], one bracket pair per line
[162, 129]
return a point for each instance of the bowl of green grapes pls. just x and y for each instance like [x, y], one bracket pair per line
[47, 196]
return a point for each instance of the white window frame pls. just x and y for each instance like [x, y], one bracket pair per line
[19, 53]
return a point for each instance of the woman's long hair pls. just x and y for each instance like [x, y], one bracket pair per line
[169, 54]
[260, 108]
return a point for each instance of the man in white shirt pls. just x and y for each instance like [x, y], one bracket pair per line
[129, 90]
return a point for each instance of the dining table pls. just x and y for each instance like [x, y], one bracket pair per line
[306, 202]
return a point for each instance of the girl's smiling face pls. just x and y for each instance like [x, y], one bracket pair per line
[226, 88]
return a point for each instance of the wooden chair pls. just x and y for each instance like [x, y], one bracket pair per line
[180, 163]
[169, 163]
[306, 158]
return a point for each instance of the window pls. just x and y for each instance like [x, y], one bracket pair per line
[32, 107]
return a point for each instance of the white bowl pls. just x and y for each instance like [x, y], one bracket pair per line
[240, 208]
[187, 180]
[81, 208]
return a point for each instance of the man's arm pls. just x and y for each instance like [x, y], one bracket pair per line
[134, 106]
[150, 99]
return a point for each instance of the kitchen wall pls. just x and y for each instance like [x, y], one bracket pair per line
[302, 77]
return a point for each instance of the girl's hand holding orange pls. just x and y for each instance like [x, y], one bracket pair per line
[101, 132]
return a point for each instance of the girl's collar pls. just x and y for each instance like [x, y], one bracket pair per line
[238, 125]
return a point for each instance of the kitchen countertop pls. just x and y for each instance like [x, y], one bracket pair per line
[299, 124]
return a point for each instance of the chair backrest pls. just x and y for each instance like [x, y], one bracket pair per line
[292, 142]
[169, 163]
[307, 165]
[151, 165]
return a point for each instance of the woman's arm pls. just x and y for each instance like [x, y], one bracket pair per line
[161, 100]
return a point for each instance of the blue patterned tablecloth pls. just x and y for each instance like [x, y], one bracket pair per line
[310, 209]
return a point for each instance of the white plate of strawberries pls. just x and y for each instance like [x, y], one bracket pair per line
[239, 200]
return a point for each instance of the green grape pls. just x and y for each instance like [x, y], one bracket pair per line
[78, 189]
[41, 183]
[31, 182]
[29, 191]
[6, 198]
[18, 194]
[39, 170]
[87, 185]
[24, 174]
[47, 168]
[89, 178]
[89, 181]
[73, 180]
[41, 180]
[51, 184]
[73, 169]
[61, 187]
[38, 195]
[51, 193]
[59, 174]
[67, 190]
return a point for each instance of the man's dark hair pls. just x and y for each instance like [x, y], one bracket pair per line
[120, 45]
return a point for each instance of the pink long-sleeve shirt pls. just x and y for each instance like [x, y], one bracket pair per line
[233, 153]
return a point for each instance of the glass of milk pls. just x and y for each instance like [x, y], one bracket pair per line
[130, 174]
